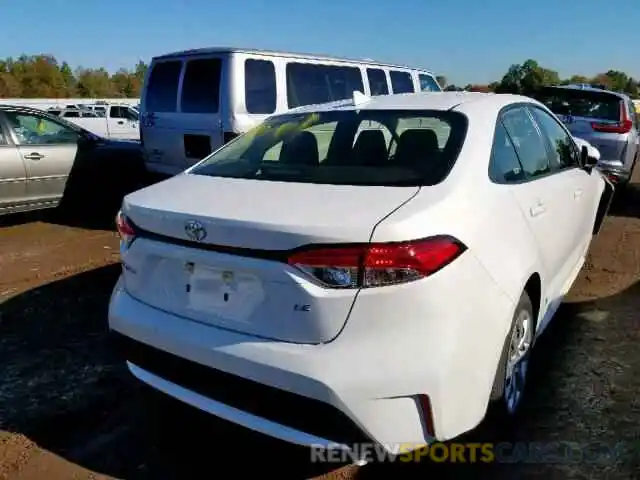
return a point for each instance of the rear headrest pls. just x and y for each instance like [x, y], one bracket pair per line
[416, 146]
[300, 149]
[370, 148]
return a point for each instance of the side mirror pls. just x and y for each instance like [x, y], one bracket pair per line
[589, 155]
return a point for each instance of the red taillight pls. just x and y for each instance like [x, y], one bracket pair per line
[125, 230]
[377, 264]
[624, 126]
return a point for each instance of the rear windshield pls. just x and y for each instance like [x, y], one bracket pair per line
[581, 103]
[387, 147]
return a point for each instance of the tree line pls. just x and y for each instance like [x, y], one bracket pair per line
[528, 76]
[43, 76]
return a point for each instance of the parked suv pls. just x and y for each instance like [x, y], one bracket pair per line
[606, 119]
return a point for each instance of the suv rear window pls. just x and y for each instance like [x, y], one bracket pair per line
[162, 89]
[201, 86]
[369, 147]
[581, 103]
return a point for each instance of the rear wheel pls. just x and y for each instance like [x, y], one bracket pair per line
[511, 377]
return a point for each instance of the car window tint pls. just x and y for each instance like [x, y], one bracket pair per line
[428, 83]
[309, 83]
[564, 154]
[162, 91]
[377, 81]
[35, 130]
[401, 82]
[260, 86]
[201, 86]
[530, 146]
[504, 165]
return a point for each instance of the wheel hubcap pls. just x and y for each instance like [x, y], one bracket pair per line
[518, 360]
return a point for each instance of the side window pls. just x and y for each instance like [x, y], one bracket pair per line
[563, 150]
[633, 116]
[401, 82]
[131, 114]
[35, 130]
[309, 83]
[428, 83]
[530, 146]
[201, 86]
[162, 91]
[116, 112]
[71, 114]
[260, 86]
[377, 82]
[504, 165]
[3, 138]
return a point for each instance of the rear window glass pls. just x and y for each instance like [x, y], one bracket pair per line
[401, 82]
[201, 86]
[394, 148]
[428, 83]
[260, 86]
[162, 90]
[377, 81]
[309, 83]
[581, 103]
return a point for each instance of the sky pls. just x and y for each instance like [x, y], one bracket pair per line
[466, 41]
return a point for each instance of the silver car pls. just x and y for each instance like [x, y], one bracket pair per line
[603, 118]
[39, 151]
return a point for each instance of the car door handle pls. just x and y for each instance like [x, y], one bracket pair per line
[121, 122]
[538, 209]
[577, 194]
[34, 156]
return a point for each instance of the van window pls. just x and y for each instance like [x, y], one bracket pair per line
[259, 86]
[309, 83]
[401, 82]
[201, 86]
[71, 114]
[307, 148]
[428, 83]
[162, 92]
[377, 81]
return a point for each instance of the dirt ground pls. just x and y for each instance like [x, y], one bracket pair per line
[69, 409]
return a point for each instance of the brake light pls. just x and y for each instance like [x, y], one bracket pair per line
[624, 126]
[377, 264]
[125, 230]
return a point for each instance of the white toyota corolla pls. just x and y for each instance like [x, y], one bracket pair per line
[370, 270]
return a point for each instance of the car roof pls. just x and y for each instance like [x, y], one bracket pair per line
[442, 101]
[256, 51]
[587, 88]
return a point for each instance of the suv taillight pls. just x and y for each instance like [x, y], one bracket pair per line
[125, 229]
[624, 126]
[377, 264]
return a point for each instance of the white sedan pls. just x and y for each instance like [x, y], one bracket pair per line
[370, 270]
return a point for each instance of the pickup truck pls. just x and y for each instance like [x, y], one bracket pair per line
[116, 121]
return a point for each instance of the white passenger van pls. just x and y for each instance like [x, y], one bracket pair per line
[195, 101]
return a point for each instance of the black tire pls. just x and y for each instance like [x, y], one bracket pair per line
[498, 408]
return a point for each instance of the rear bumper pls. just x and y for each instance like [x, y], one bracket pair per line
[363, 386]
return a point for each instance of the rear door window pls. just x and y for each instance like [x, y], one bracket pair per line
[401, 82]
[530, 146]
[260, 86]
[162, 89]
[377, 81]
[201, 86]
[428, 83]
[309, 83]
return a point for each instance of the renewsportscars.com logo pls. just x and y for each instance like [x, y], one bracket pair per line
[487, 452]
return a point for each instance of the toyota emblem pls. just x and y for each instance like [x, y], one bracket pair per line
[195, 231]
